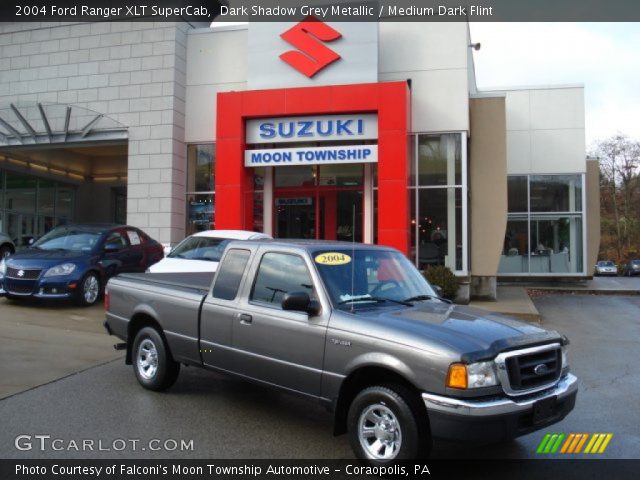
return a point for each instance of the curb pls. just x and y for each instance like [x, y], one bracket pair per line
[581, 291]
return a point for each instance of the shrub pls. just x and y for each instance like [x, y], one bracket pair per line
[444, 278]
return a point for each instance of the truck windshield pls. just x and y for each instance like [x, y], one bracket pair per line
[365, 277]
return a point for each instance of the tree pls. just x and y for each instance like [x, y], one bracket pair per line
[619, 159]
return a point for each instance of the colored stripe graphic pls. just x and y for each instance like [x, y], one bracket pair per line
[543, 443]
[570, 438]
[583, 439]
[604, 445]
[573, 443]
[556, 445]
[592, 440]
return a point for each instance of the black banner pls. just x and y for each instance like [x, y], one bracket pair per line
[196, 11]
[315, 469]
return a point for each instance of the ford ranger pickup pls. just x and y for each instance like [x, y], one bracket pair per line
[355, 327]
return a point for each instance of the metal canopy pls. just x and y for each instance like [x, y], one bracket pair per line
[31, 124]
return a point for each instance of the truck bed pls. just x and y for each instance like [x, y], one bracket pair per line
[198, 281]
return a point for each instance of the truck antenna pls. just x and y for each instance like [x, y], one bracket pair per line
[353, 253]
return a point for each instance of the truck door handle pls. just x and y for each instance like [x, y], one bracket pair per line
[246, 319]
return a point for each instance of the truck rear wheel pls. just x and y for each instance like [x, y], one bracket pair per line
[386, 426]
[153, 365]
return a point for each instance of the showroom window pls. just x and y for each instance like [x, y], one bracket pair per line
[200, 188]
[32, 206]
[439, 201]
[544, 234]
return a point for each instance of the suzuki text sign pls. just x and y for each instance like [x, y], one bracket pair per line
[311, 155]
[320, 128]
[311, 52]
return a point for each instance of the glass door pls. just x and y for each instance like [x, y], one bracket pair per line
[323, 203]
[295, 216]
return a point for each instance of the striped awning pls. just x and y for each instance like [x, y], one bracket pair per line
[29, 124]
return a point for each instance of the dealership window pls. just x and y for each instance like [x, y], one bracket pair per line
[200, 188]
[544, 234]
[32, 206]
[439, 201]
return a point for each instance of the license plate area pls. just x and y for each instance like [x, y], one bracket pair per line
[544, 409]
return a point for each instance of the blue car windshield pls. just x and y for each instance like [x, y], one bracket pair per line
[70, 239]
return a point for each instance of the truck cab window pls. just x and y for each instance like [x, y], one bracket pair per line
[279, 274]
[230, 273]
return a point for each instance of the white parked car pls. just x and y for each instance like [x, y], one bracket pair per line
[201, 251]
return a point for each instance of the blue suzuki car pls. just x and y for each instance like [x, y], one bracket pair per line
[75, 262]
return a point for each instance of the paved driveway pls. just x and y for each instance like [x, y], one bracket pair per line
[41, 342]
[227, 418]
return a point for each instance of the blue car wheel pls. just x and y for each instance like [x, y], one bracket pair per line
[89, 289]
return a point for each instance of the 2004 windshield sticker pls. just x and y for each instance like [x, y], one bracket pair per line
[332, 258]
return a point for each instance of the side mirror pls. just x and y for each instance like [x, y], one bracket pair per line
[31, 241]
[437, 289]
[300, 302]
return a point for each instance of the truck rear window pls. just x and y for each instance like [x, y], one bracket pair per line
[230, 273]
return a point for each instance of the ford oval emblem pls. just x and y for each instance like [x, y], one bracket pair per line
[540, 369]
[21, 273]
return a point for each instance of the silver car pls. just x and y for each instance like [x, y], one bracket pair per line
[606, 267]
[6, 246]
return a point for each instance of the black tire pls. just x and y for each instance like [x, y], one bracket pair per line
[157, 373]
[89, 290]
[413, 432]
[6, 250]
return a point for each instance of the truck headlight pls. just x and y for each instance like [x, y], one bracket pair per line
[60, 270]
[474, 375]
[565, 362]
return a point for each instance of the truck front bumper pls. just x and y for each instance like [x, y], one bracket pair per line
[499, 419]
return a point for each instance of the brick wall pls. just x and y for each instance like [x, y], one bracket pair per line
[132, 72]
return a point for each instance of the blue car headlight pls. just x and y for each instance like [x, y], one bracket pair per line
[3, 268]
[60, 270]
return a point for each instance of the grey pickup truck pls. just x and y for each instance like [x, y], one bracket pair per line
[355, 327]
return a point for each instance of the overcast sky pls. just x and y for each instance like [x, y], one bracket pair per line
[604, 57]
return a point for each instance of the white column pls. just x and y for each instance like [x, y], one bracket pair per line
[267, 203]
[451, 202]
[367, 227]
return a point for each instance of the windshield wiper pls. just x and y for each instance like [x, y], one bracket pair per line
[417, 298]
[365, 298]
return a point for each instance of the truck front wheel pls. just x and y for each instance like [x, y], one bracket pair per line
[385, 426]
[153, 365]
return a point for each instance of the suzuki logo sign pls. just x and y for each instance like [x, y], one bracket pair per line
[312, 55]
[311, 52]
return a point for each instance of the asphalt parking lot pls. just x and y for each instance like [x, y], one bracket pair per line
[227, 418]
[43, 341]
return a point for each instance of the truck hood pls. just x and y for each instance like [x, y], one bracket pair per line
[473, 333]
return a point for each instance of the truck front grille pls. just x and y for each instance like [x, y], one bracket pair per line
[530, 369]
